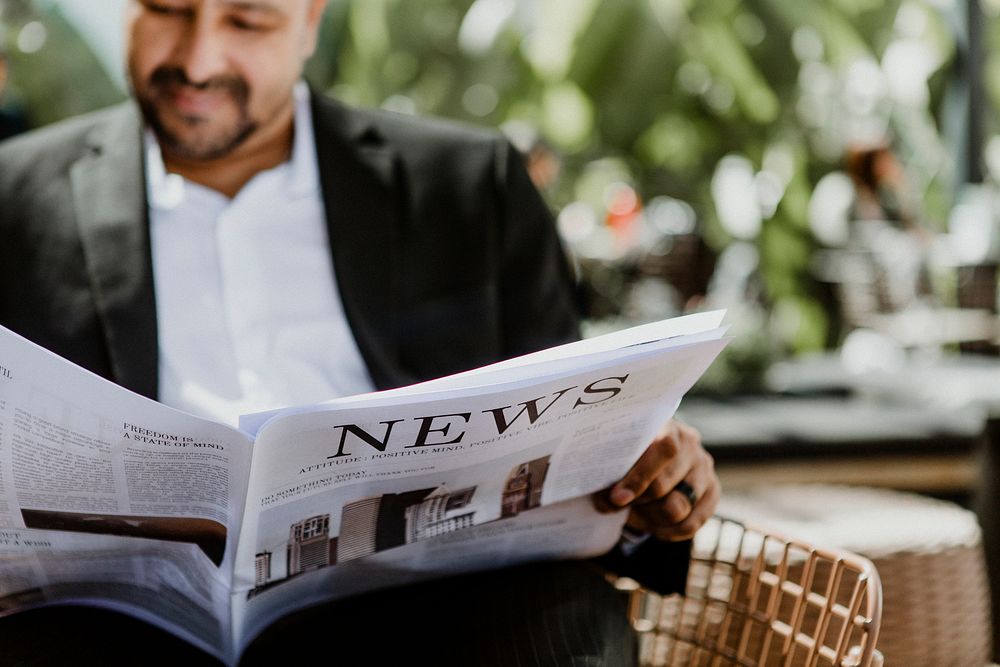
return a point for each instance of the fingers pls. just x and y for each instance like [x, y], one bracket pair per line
[674, 517]
[650, 487]
[675, 505]
[664, 463]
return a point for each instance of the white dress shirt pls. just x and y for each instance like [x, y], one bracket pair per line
[248, 311]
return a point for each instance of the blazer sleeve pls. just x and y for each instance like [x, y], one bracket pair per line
[539, 307]
[657, 565]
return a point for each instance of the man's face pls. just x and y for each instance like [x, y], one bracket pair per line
[209, 73]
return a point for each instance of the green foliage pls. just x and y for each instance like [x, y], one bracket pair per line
[653, 93]
[63, 77]
[667, 88]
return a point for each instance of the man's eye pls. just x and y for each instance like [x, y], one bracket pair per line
[166, 10]
[250, 26]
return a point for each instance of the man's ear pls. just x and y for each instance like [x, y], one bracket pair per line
[313, 19]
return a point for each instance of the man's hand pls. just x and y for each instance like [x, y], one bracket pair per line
[650, 489]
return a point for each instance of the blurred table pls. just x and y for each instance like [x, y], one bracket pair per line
[931, 426]
[835, 438]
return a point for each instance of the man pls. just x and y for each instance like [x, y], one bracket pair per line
[181, 245]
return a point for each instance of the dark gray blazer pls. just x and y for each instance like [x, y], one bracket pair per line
[445, 255]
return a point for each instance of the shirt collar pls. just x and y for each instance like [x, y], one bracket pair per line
[165, 191]
[301, 173]
[303, 177]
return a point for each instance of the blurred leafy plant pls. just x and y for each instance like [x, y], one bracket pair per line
[54, 72]
[734, 108]
[668, 90]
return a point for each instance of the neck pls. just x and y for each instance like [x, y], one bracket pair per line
[268, 147]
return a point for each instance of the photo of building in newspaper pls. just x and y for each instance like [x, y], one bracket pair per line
[374, 524]
[310, 546]
[523, 490]
[368, 525]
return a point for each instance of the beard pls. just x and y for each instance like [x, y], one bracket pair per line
[195, 137]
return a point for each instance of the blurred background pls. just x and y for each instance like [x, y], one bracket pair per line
[826, 170]
[815, 166]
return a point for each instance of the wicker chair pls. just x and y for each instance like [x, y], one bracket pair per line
[756, 598]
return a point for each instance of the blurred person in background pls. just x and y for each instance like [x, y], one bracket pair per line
[11, 121]
[881, 189]
[885, 226]
[400, 250]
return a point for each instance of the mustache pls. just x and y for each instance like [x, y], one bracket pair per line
[166, 78]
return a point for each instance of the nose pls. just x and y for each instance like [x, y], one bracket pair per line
[201, 53]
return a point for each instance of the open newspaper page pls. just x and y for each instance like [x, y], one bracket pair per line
[110, 498]
[550, 532]
[169, 584]
[406, 485]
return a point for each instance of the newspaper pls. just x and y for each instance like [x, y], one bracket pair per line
[213, 533]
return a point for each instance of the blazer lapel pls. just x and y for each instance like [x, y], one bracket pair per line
[359, 178]
[109, 197]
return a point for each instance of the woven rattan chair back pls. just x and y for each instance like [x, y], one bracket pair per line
[756, 598]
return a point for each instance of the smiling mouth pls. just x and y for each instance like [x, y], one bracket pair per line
[203, 120]
[195, 100]
[192, 102]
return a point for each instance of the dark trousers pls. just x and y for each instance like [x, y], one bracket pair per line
[531, 616]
